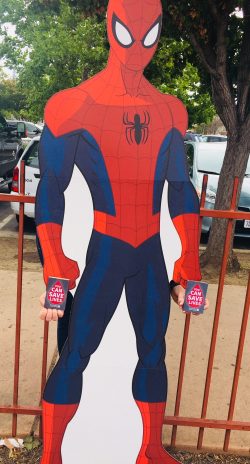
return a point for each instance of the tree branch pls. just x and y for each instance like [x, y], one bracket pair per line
[221, 58]
[214, 11]
[202, 54]
[220, 17]
[243, 77]
[246, 127]
[224, 102]
[205, 53]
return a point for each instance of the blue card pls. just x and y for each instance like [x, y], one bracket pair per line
[56, 293]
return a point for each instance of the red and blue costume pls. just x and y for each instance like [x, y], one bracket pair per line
[126, 138]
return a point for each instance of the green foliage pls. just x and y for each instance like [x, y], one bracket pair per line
[187, 87]
[60, 50]
[68, 50]
[172, 72]
[30, 442]
[12, 100]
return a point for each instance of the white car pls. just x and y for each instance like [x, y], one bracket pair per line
[32, 176]
[207, 158]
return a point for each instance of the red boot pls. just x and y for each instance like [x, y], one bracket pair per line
[152, 451]
[55, 420]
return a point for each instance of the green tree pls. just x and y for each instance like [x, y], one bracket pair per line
[172, 72]
[53, 52]
[12, 100]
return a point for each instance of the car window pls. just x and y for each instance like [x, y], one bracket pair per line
[12, 127]
[2, 126]
[31, 157]
[31, 127]
[2, 123]
[213, 138]
[190, 158]
[210, 160]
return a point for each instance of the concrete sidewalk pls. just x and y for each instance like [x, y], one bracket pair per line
[200, 335]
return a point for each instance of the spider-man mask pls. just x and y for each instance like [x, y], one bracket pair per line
[134, 28]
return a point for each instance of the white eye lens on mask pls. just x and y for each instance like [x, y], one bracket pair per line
[122, 33]
[152, 35]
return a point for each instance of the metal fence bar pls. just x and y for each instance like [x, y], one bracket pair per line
[207, 423]
[186, 336]
[44, 365]
[19, 301]
[24, 410]
[238, 363]
[19, 198]
[225, 214]
[203, 198]
[217, 312]
[213, 213]
[45, 355]
[181, 375]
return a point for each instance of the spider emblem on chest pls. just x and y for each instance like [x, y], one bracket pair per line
[137, 130]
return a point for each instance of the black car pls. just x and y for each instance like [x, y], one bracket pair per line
[31, 129]
[10, 143]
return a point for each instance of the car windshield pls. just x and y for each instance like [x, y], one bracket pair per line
[31, 127]
[213, 138]
[210, 159]
[12, 123]
[31, 156]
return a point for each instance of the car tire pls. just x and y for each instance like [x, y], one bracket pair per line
[27, 220]
[205, 237]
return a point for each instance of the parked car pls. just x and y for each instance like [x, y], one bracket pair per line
[32, 176]
[10, 143]
[31, 129]
[193, 137]
[213, 138]
[204, 158]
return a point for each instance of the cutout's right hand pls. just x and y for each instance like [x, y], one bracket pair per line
[49, 314]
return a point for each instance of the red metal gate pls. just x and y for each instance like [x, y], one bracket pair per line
[176, 420]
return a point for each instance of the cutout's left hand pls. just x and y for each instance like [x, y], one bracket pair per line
[178, 295]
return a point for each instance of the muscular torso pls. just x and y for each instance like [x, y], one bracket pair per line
[120, 152]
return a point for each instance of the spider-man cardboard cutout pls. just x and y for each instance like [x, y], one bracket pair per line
[126, 139]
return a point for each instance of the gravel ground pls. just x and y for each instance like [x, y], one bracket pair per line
[32, 457]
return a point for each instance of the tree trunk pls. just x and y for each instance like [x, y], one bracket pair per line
[235, 164]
